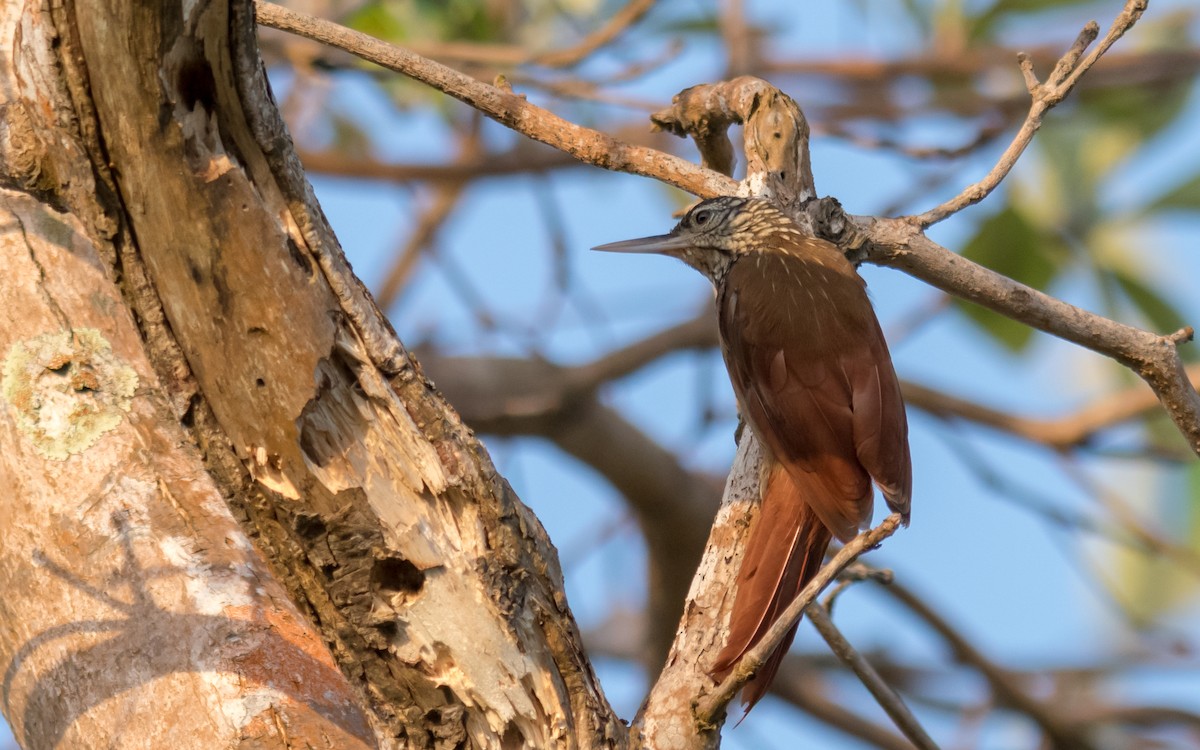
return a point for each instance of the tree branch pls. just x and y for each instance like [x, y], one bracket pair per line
[1062, 79]
[888, 699]
[897, 243]
[505, 107]
[1068, 431]
[711, 705]
[514, 55]
[1004, 684]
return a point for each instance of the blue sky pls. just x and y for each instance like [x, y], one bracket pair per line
[1023, 591]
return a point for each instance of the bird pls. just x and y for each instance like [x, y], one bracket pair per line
[814, 381]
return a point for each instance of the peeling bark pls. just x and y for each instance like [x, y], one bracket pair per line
[181, 246]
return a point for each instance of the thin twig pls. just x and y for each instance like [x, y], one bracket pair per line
[1003, 683]
[818, 699]
[888, 699]
[519, 160]
[618, 22]
[891, 242]
[1147, 538]
[1068, 431]
[709, 706]
[507, 55]
[985, 135]
[698, 332]
[856, 573]
[446, 197]
[1045, 96]
[505, 107]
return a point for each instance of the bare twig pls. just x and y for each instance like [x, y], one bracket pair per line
[983, 136]
[1062, 79]
[1069, 431]
[1143, 716]
[890, 242]
[627, 16]
[900, 244]
[856, 573]
[711, 705]
[518, 160]
[699, 332]
[1003, 683]
[445, 198]
[888, 699]
[1148, 538]
[511, 110]
[512, 55]
[1151, 68]
[805, 691]
[740, 39]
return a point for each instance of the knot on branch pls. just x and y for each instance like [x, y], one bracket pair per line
[826, 219]
[775, 132]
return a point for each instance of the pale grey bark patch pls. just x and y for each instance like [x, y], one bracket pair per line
[67, 389]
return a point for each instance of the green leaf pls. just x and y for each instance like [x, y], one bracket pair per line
[377, 20]
[1161, 313]
[987, 22]
[706, 24]
[1145, 109]
[1151, 584]
[1010, 244]
[1185, 197]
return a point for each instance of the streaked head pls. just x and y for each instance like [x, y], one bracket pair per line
[714, 232]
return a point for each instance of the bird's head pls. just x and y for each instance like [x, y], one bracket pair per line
[715, 232]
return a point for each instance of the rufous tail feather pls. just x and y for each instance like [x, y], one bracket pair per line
[786, 548]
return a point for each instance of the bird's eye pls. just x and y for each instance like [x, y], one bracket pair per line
[700, 218]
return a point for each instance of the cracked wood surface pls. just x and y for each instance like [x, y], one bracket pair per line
[436, 591]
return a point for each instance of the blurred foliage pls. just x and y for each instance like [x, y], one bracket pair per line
[1060, 217]
[1150, 585]
[1008, 242]
[990, 19]
[536, 24]
[1059, 201]
[531, 25]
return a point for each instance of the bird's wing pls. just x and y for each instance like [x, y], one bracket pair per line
[814, 378]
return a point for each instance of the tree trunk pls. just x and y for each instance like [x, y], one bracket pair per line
[241, 516]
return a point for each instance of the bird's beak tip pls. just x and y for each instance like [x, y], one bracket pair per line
[658, 244]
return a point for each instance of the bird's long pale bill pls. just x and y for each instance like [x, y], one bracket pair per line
[658, 244]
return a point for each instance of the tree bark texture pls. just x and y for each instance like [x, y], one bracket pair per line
[182, 337]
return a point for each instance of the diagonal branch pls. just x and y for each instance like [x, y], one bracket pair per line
[1004, 684]
[618, 22]
[512, 54]
[710, 706]
[505, 107]
[1072, 430]
[887, 698]
[897, 243]
[1067, 72]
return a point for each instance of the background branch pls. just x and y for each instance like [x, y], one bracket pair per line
[1067, 72]
[709, 706]
[887, 698]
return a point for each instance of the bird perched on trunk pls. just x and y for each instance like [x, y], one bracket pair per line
[814, 380]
